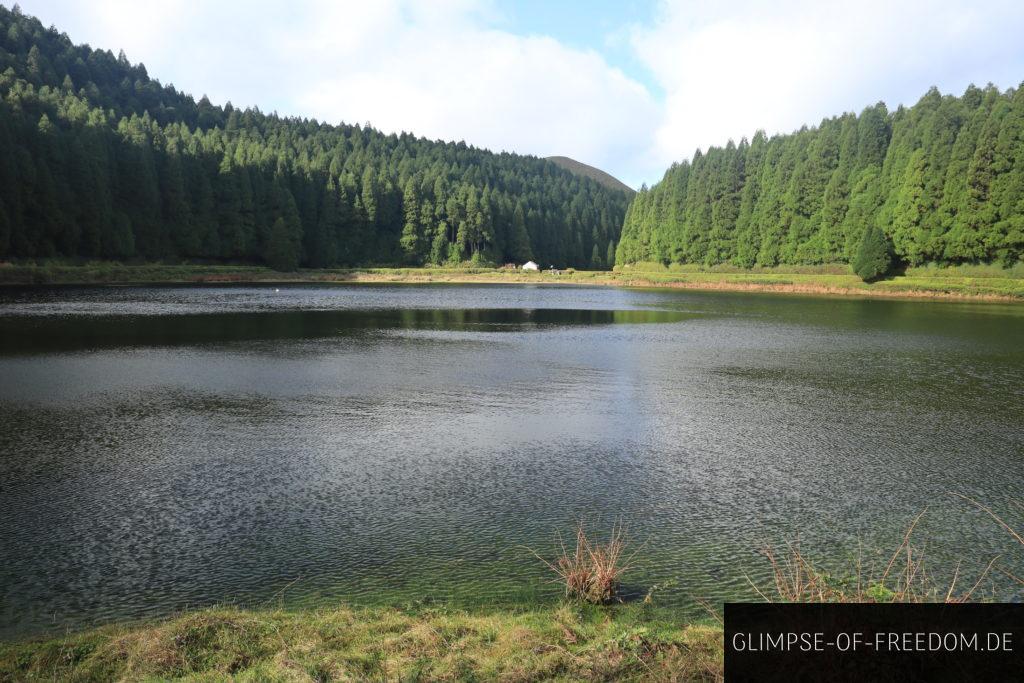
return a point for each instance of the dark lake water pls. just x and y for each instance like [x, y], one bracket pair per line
[171, 447]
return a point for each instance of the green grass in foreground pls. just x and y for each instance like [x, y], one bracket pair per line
[567, 643]
[981, 281]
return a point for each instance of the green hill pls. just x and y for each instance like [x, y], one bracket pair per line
[100, 160]
[581, 169]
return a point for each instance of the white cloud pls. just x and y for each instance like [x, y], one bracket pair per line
[444, 74]
[728, 70]
[494, 89]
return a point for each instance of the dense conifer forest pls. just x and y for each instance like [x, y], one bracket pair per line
[941, 181]
[101, 161]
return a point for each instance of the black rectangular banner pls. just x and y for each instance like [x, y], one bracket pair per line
[874, 642]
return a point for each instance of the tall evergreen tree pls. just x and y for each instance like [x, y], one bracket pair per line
[520, 250]
[411, 230]
[281, 253]
[874, 257]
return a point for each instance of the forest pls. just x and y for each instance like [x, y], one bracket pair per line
[100, 161]
[939, 182]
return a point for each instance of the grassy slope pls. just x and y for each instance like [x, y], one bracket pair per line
[567, 643]
[579, 168]
[964, 282]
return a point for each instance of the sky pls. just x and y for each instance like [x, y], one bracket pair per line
[629, 86]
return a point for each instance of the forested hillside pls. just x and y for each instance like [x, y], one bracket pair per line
[101, 161]
[943, 180]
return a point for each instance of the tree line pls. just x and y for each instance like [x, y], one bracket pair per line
[941, 181]
[101, 161]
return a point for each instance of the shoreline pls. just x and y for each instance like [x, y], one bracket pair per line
[939, 287]
[895, 293]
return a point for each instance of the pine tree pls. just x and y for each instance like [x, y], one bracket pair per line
[411, 230]
[280, 253]
[174, 202]
[865, 202]
[1005, 241]
[910, 209]
[748, 236]
[322, 246]
[520, 250]
[283, 249]
[119, 242]
[726, 192]
[874, 257]
[439, 247]
[228, 202]
[5, 229]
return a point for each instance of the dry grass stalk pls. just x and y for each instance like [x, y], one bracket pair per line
[1017, 535]
[592, 571]
[904, 578]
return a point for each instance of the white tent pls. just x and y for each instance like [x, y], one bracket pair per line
[530, 265]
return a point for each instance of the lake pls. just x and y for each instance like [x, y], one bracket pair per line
[173, 447]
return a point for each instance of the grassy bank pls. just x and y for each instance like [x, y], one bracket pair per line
[964, 282]
[566, 643]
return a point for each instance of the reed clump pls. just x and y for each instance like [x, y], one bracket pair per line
[589, 570]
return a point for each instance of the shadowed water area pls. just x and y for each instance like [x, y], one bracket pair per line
[171, 447]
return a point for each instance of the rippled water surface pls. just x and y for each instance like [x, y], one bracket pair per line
[170, 447]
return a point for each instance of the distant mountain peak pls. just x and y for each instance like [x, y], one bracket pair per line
[596, 174]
